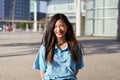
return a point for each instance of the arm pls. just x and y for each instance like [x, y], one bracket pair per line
[80, 64]
[40, 62]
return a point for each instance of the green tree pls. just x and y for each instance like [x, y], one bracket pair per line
[21, 25]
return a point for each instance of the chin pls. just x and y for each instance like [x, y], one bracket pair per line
[59, 36]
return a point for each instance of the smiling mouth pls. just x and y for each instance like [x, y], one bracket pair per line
[59, 33]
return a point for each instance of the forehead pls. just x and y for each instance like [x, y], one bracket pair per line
[59, 21]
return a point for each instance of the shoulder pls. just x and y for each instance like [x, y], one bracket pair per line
[42, 49]
[80, 47]
[42, 46]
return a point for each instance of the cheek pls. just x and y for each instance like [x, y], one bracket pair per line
[65, 30]
[54, 31]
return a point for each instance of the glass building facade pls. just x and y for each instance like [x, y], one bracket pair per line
[32, 6]
[40, 15]
[101, 17]
[1, 9]
[66, 7]
[61, 6]
[21, 9]
[98, 17]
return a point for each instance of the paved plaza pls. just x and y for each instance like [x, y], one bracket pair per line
[18, 51]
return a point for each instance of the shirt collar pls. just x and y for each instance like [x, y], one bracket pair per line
[56, 47]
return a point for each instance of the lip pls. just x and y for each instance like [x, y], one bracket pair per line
[58, 33]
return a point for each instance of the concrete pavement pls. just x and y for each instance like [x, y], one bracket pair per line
[101, 59]
[18, 51]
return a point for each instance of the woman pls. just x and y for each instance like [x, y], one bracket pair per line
[60, 56]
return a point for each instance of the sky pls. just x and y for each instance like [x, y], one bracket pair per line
[43, 6]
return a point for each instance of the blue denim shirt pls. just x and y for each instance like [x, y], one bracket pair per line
[63, 67]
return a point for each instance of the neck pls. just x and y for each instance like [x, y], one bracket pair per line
[61, 41]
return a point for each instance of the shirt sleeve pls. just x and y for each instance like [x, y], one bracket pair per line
[40, 62]
[80, 64]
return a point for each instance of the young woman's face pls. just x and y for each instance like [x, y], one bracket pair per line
[60, 29]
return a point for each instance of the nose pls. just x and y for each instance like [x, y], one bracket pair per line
[58, 28]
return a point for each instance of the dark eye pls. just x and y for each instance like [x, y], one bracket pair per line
[55, 26]
[62, 25]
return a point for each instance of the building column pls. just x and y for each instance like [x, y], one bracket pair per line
[13, 16]
[35, 16]
[78, 17]
[4, 27]
[118, 29]
[27, 29]
[14, 27]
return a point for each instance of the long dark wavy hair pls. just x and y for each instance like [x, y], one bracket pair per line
[49, 38]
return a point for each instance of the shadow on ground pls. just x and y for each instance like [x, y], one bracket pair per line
[20, 44]
[101, 46]
[27, 49]
[91, 46]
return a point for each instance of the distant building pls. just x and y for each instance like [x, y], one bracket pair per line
[66, 7]
[32, 6]
[40, 14]
[101, 19]
[21, 9]
[61, 6]
[98, 17]
[1, 9]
